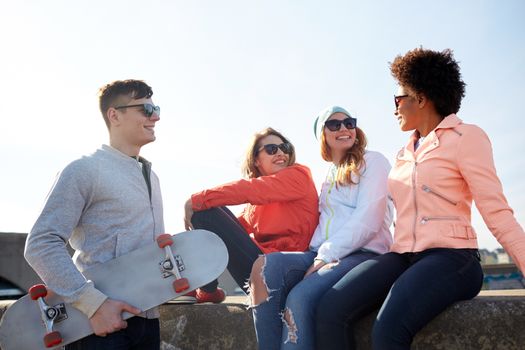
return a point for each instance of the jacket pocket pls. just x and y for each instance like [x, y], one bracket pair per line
[463, 232]
[427, 189]
[458, 231]
[126, 242]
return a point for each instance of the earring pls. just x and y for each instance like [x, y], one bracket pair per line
[356, 140]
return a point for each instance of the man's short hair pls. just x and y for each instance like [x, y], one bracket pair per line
[120, 92]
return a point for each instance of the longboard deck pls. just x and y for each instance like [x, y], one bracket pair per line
[135, 278]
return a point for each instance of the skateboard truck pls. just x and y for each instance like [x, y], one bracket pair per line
[166, 266]
[170, 264]
[49, 314]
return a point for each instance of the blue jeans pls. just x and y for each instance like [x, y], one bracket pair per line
[242, 250]
[141, 334]
[289, 293]
[413, 288]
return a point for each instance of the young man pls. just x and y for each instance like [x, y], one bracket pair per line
[105, 204]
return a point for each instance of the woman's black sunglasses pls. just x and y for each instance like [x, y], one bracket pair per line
[398, 99]
[335, 124]
[272, 148]
[147, 108]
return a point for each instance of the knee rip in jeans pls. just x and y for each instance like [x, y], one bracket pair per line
[289, 322]
[257, 289]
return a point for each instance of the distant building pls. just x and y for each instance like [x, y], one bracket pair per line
[499, 270]
[488, 257]
[498, 256]
[503, 257]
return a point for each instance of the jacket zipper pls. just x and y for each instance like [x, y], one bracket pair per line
[330, 208]
[414, 171]
[426, 219]
[431, 191]
[154, 221]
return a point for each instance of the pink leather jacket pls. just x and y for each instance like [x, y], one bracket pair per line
[433, 189]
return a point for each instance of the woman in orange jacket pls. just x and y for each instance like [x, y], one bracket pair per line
[281, 212]
[434, 260]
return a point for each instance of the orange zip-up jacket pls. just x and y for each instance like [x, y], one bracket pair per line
[433, 189]
[282, 211]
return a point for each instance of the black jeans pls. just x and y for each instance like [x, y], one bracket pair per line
[242, 250]
[141, 334]
[412, 287]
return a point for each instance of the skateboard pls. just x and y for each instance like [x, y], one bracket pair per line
[144, 278]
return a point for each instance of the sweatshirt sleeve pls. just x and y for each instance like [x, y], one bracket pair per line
[45, 248]
[367, 217]
[476, 164]
[286, 185]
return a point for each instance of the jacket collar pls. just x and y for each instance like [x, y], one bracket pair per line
[431, 140]
[123, 156]
[450, 121]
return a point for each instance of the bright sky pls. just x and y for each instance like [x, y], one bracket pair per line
[222, 70]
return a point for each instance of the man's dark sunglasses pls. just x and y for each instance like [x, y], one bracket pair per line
[398, 99]
[147, 108]
[272, 148]
[335, 124]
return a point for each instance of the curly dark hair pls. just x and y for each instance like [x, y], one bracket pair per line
[434, 74]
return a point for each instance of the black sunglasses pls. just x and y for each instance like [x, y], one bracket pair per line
[335, 124]
[147, 108]
[398, 99]
[272, 148]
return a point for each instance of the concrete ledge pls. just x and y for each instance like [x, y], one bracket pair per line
[207, 326]
[492, 320]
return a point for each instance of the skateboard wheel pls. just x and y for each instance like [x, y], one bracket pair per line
[37, 291]
[52, 339]
[181, 285]
[164, 240]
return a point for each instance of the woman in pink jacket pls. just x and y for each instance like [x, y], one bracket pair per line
[434, 259]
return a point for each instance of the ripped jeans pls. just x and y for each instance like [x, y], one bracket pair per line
[295, 299]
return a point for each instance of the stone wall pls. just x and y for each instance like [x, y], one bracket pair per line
[494, 320]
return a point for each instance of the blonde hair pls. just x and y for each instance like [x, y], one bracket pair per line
[353, 160]
[249, 170]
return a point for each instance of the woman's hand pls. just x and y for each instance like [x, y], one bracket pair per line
[188, 213]
[318, 264]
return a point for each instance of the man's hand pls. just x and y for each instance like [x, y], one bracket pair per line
[188, 213]
[108, 318]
